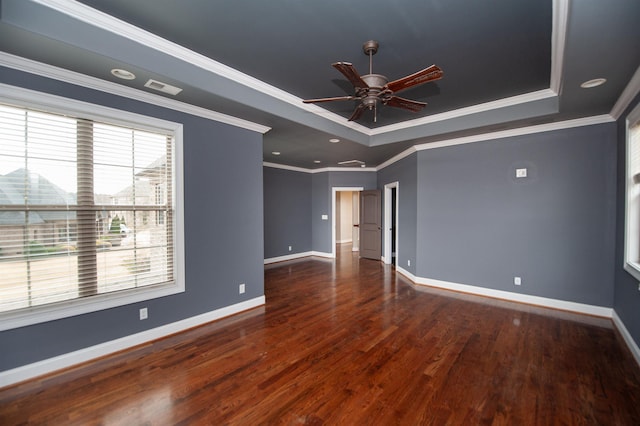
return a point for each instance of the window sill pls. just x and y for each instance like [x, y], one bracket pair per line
[70, 308]
[633, 268]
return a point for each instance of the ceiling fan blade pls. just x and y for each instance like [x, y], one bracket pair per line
[403, 103]
[337, 98]
[357, 113]
[428, 74]
[349, 71]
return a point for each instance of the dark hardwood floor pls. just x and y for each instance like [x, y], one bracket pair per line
[351, 343]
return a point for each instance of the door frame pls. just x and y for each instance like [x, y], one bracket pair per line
[334, 194]
[387, 256]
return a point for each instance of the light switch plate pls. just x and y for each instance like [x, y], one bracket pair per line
[521, 173]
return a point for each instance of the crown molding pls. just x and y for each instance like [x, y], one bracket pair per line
[558, 43]
[67, 76]
[407, 152]
[541, 128]
[628, 95]
[121, 28]
[285, 167]
[474, 109]
[322, 170]
[116, 26]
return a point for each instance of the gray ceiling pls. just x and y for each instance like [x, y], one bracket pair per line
[506, 63]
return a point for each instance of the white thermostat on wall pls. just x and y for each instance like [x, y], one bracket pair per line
[521, 173]
[325, 217]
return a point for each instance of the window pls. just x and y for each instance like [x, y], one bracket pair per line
[632, 216]
[160, 197]
[76, 190]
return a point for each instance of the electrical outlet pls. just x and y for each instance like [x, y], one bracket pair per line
[144, 314]
[241, 288]
[638, 286]
[289, 248]
[409, 262]
[517, 280]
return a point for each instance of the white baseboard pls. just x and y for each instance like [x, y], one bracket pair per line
[534, 300]
[322, 254]
[546, 302]
[298, 256]
[406, 273]
[50, 365]
[288, 257]
[631, 344]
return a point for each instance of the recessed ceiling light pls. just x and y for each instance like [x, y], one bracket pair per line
[123, 74]
[275, 152]
[334, 140]
[317, 161]
[593, 83]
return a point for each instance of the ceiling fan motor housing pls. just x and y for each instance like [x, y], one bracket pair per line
[376, 83]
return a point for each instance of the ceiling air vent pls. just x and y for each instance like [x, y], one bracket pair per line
[162, 87]
[352, 163]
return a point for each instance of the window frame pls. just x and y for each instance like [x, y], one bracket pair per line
[27, 98]
[632, 210]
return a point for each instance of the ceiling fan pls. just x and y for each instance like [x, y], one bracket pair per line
[371, 88]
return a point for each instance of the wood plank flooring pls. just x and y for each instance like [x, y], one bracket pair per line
[349, 342]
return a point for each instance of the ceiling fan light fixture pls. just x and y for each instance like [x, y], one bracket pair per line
[334, 140]
[275, 152]
[593, 83]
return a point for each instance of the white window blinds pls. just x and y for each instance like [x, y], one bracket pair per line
[80, 203]
[632, 255]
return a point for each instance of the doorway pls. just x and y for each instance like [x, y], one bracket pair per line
[390, 250]
[345, 218]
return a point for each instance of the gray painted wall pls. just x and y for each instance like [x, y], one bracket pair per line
[367, 180]
[320, 205]
[405, 173]
[626, 301]
[322, 184]
[285, 195]
[287, 212]
[463, 218]
[479, 225]
[223, 233]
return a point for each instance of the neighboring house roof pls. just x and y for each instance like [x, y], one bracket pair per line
[16, 185]
[154, 170]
